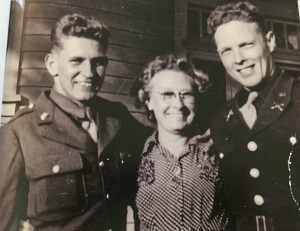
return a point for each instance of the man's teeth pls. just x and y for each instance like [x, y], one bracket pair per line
[246, 70]
[85, 84]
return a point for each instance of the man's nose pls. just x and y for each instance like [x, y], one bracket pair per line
[238, 56]
[87, 69]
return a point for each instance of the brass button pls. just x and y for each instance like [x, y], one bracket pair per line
[259, 200]
[252, 146]
[254, 172]
[56, 168]
[221, 155]
[293, 140]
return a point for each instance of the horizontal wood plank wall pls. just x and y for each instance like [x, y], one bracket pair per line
[139, 30]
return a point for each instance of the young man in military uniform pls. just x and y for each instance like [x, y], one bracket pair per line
[256, 134]
[69, 162]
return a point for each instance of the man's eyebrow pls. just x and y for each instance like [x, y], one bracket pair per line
[75, 57]
[246, 43]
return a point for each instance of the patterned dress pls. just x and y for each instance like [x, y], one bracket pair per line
[179, 194]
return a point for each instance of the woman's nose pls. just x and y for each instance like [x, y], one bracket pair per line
[178, 101]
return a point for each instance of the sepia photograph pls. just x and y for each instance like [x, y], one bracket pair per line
[150, 115]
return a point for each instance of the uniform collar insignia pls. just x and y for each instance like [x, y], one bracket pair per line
[276, 101]
[278, 106]
[230, 113]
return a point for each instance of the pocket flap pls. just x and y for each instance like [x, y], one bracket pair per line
[53, 164]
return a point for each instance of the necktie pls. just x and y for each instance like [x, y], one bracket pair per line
[90, 125]
[248, 110]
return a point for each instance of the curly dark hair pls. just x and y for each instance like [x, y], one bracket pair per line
[79, 26]
[240, 11]
[167, 62]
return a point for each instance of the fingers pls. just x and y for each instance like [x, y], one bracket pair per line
[25, 226]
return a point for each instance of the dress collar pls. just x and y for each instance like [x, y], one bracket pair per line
[193, 144]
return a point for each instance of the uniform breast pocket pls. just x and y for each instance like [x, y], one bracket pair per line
[56, 186]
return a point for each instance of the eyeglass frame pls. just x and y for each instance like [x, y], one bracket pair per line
[182, 96]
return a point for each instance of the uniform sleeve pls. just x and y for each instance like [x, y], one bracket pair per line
[12, 180]
[217, 127]
[134, 138]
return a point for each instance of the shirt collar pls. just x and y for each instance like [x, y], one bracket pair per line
[262, 89]
[68, 105]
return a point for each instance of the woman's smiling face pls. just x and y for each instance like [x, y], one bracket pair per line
[172, 100]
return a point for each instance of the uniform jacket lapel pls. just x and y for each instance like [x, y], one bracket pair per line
[274, 106]
[276, 103]
[108, 128]
[235, 121]
[57, 126]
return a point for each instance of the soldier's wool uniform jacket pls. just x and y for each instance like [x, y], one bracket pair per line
[52, 173]
[254, 162]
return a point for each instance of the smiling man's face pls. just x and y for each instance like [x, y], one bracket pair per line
[245, 52]
[78, 68]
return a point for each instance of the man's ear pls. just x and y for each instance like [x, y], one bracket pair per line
[271, 41]
[51, 64]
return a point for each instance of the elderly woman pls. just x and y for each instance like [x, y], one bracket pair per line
[178, 176]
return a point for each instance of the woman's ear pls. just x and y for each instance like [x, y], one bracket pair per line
[51, 64]
[271, 41]
[149, 104]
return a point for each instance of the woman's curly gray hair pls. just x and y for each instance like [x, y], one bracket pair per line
[167, 62]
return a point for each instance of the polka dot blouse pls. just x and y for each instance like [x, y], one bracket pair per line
[179, 194]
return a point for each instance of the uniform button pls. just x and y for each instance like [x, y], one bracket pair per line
[221, 155]
[107, 196]
[293, 140]
[252, 146]
[254, 172]
[55, 168]
[259, 200]
[101, 164]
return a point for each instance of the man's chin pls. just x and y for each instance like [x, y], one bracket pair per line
[251, 84]
[85, 97]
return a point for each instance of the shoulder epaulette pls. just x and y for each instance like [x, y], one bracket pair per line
[22, 112]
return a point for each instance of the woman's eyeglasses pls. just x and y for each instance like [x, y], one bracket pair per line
[169, 96]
